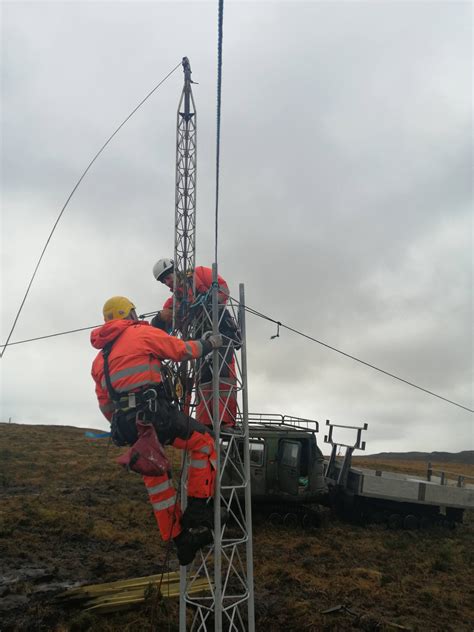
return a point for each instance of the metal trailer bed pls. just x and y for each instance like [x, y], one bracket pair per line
[390, 485]
[399, 499]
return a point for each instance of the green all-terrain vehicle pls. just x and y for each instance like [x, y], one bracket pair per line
[290, 479]
[286, 468]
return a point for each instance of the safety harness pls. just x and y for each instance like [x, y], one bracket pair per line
[138, 400]
[132, 425]
[129, 408]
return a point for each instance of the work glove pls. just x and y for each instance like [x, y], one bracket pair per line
[211, 341]
[215, 339]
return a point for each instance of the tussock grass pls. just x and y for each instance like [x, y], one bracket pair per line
[67, 507]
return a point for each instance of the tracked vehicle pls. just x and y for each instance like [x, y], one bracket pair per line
[291, 479]
[286, 469]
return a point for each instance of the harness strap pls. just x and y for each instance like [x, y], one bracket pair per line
[145, 398]
[114, 395]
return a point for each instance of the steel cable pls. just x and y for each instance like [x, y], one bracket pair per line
[70, 196]
[218, 130]
[254, 312]
[348, 355]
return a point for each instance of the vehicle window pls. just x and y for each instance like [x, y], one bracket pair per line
[290, 454]
[256, 453]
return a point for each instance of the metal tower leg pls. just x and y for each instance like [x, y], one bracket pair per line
[248, 494]
[184, 253]
[228, 603]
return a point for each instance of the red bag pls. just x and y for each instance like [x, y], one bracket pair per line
[146, 456]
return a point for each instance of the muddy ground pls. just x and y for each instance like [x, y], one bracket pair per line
[69, 515]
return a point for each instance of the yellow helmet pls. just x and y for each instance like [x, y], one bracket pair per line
[117, 307]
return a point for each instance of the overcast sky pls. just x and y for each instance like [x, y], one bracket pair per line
[345, 206]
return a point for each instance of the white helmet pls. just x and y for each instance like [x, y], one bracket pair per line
[162, 268]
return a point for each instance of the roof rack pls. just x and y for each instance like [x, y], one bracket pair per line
[274, 419]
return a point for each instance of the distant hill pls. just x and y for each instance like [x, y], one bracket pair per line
[466, 456]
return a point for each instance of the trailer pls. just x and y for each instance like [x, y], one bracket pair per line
[399, 500]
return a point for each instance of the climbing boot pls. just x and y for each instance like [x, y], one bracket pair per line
[200, 512]
[189, 541]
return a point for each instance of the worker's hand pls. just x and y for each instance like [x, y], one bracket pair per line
[163, 320]
[166, 315]
[215, 340]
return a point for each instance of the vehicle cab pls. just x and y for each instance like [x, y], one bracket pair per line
[285, 460]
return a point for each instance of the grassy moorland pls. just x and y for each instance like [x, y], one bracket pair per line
[69, 515]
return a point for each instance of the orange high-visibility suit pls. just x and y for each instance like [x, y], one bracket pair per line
[227, 375]
[134, 365]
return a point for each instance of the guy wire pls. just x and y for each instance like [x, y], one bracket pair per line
[70, 196]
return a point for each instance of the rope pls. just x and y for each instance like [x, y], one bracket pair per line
[61, 333]
[218, 131]
[279, 324]
[70, 196]
[70, 331]
[348, 355]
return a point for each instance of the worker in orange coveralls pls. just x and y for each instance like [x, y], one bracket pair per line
[126, 372]
[163, 271]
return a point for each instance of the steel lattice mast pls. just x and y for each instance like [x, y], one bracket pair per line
[228, 602]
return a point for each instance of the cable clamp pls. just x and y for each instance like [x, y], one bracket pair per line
[277, 335]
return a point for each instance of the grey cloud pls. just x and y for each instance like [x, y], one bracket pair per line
[345, 207]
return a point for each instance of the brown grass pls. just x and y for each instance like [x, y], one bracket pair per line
[67, 509]
[418, 468]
